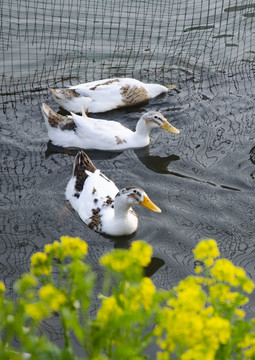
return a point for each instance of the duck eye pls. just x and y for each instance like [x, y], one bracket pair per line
[135, 191]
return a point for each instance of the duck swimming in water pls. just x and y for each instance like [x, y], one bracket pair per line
[104, 95]
[100, 204]
[89, 133]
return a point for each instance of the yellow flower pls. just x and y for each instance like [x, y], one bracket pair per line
[147, 292]
[109, 311]
[198, 269]
[74, 246]
[224, 270]
[248, 286]
[206, 249]
[217, 329]
[54, 249]
[222, 293]
[249, 340]
[134, 296]
[199, 352]
[2, 287]
[141, 252]
[163, 355]
[119, 260]
[139, 255]
[26, 285]
[40, 264]
[68, 246]
[52, 296]
[240, 313]
[37, 311]
[189, 295]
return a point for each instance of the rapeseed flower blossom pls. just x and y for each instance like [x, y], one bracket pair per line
[26, 286]
[206, 251]
[141, 252]
[194, 323]
[109, 311]
[130, 300]
[124, 261]
[54, 249]
[118, 261]
[136, 296]
[53, 297]
[248, 345]
[224, 271]
[188, 288]
[222, 293]
[40, 264]
[217, 330]
[37, 311]
[199, 352]
[68, 246]
[75, 247]
[2, 287]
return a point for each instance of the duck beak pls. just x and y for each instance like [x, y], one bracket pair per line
[149, 204]
[171, 86]
[168, 127]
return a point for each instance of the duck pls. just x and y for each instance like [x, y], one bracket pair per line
[84, 132]
[107, 94]
[100, 204]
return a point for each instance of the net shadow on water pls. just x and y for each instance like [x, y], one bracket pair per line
[202, 179]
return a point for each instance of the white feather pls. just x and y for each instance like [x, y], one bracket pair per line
[107, 94]
[114, 215]
[90, 133]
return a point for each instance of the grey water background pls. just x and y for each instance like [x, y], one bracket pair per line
[203, 179]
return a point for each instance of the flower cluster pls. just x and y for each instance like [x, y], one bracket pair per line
[52, 296]
[203, 312]
[128, 263]
[202, 318]
[68, 246]
[225, 271]
[206, 251]
[40, 264]
[132, 299]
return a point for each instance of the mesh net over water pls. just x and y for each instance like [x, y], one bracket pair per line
[44, 42]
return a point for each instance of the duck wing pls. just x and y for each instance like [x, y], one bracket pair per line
[89, 190]
[101, 134]
[114, 93]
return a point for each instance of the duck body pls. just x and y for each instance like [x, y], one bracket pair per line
[104, 95]
[99, 202]
[89, 133]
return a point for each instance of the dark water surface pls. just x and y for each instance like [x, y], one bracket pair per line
[202, 179]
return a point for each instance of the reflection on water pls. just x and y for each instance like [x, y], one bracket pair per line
[157, 163]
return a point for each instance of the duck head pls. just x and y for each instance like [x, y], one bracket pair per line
[131, 196]
[152, 120]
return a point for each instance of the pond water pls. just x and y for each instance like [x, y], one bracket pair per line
[203, 179]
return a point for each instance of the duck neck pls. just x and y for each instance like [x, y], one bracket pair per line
[120, 207]
[142, 129]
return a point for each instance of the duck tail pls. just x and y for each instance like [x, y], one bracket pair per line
[63, 94]
[82, 163]
[56, 120]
